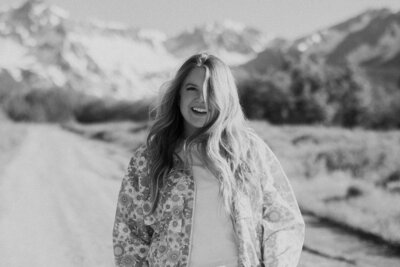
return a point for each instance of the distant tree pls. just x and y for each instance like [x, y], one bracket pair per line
[383, 112]
[52, 105]
[330, 95]
[305, 98]
[103, 110]
[345, 94]
[264, 100]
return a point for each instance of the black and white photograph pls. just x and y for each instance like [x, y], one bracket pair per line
[188, 133]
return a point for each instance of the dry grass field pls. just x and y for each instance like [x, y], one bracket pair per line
[351, 177]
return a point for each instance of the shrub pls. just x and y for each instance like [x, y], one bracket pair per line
[101, 110]
[264, 100]
[54, 105]
[60, 105]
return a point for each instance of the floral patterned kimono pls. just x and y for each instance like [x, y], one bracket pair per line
[267, 222]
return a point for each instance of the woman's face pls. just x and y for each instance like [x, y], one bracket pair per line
[192, 105]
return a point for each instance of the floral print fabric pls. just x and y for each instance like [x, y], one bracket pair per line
[267, 222]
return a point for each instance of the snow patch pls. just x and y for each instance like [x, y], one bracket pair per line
[233, 25]
[316, 38]
[56, 75]
[61, 13]
[326, 40]
[111, 25]
[121, 53]
[302, 47]
[391, 37]
[234, 58]
[12, 54]
[38, 9]
[386, 47]
[361, 24]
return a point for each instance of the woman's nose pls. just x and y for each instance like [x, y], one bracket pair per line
[200, 97]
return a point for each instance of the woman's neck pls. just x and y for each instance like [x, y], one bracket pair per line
[191, 154]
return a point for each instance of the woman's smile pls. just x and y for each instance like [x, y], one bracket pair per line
[199, 111]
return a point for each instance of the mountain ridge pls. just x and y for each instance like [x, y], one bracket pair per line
[42, 47]
[368, 43]
[100, 59]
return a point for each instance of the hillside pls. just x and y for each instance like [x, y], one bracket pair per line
[42, 48]
[368, 42]
[234, 42]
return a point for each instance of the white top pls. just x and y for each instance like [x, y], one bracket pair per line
[213, 240]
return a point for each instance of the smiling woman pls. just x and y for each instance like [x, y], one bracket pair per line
[205, 190]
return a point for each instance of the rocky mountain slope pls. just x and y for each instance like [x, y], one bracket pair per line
[41, 47]
[233, 42]
[369, 41]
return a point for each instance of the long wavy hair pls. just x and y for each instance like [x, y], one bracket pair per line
[227, 146]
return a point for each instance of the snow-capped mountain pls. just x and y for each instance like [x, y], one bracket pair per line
[370, 41]
[234, 42]
[326, 40]
[41, 47]
[371, 38]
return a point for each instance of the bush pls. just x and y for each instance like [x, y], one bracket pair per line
[264, 100]
[102, 110]
[54, 105]
[60, 105]
[383, 112]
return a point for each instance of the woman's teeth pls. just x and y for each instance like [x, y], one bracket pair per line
[200, 110]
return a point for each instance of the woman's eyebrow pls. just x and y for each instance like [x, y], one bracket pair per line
[190, 84]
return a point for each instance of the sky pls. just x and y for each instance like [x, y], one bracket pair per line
[283, 18]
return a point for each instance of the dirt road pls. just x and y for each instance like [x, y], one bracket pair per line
[57, 201]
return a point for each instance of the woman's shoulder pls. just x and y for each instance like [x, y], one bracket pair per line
[139, 158]
[140, 151]
[137, 174]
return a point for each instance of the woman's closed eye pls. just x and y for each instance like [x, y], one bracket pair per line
[191, 88]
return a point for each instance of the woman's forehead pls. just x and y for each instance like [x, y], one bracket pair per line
[195, 77]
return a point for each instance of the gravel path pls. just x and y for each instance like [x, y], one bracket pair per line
[57, 201]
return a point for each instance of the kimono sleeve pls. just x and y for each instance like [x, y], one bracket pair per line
[283, 225]
[131, 237]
